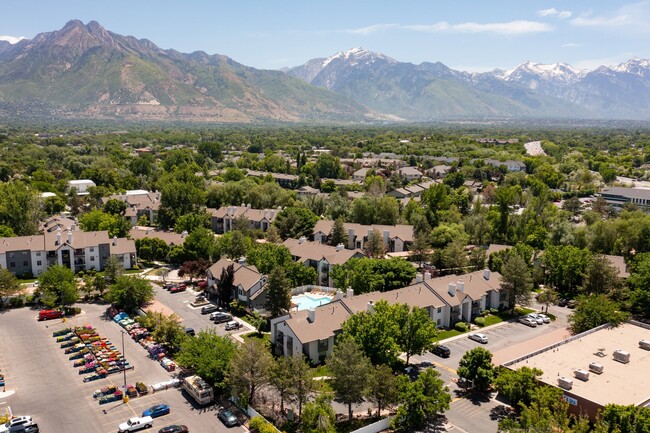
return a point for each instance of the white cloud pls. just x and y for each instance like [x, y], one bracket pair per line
[12, 39]
[550, 12]
[571, 45]
[506, 28]
[632, 17]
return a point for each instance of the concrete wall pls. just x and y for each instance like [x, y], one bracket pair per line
[376, 427]
[38, 256]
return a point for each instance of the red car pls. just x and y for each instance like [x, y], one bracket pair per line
[49, 314]
[177, 289]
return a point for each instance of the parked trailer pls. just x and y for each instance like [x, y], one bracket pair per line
[200, 391]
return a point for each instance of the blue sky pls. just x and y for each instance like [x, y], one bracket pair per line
[468, 35]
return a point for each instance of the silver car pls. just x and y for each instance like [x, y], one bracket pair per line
[534, 317]
[481, 338]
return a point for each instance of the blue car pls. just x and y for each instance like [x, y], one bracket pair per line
[156, 411]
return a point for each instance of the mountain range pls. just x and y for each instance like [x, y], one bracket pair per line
[84, 70]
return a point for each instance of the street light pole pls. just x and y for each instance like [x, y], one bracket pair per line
[125, 397]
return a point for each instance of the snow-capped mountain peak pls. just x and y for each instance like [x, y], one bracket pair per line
[634, 66]
[555, 71]
[357, 55]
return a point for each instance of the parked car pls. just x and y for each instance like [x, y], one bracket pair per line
[220, 317]
[535, 319]
[227, 418]
[544, 317]
[31, 428]
[233, 325]
[481, 338]
[135, 424]
[174, 429]
[528, 321]
[562, 302]
[190, 332]
[440, 350]
[169, 286]
[572, 303]
[15, 422]
[209, 309]
[156, 410]
[49, 314]
[177, 289]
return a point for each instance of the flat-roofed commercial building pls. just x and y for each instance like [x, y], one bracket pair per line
[617, 196]
[598, 367]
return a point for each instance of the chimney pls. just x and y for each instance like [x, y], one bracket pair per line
[114, 240]
[349, 293]
[243, 205]
[486, 274]
[58, 237]
[311, 315]
[427, 276]
[418, 278]
[452, 289]
[338, 296]
[301, 239]
[73, 227]
[340, 247]
[69, 237]
[248, 205]
[242, 261]
[461, 286]
[351, 237]
[386, 236]
[371, 307]
[184, 233]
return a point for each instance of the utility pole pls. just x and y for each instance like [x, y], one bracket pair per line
[125, 397]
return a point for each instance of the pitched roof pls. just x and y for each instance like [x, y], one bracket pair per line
[122, 246]
[138, 201]
[402, 231]
[169, 237]
[75, 239]
[619, 263]
[310, 250]
[409, 171]
[328, 319]
[22, 243]
[417, 295]
[494, 248]
[245, 276]
[250, 213]
[57, 221]
[475, 286]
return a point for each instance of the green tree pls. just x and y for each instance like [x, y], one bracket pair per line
[225, 284]
[53, 205]
[476, 366]
[58, 286]
[266, 257]
[601, 277]
[328, 166]
[194, 268]
[278, 293]
[318, 416]
[565, 266]
[338, 235]
[548, 412]
[151, 249]
[167, 330]
[249, 369]
[595, 310]
[548, 297]
[382, 388]
[114, 207]
[294, 222]
[281, 377]
[112, 269]
[130, 293]
[9, 285]
[97, 220]
[375, 331]
[625, 419]
[180, 195]
[516, 281]
[302, 379]
[374, 246]
[211, 149]
[421, 400]
[20, 207]
[233, 244]
[209, 355]
[349, 373]
[417, 331]
[518, 385]
[201, 243]
[191, 221]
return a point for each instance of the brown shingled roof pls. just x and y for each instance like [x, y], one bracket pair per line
[328, 319]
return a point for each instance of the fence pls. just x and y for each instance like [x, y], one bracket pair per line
[253, 413]
[376, 427]
[312, 288]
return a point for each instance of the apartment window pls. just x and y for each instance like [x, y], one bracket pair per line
[12, 264]
[438, 322]
[24, 253]
[25, 263]
[439, 310]
[92, 249]
[323, 345]
[92, 258]
[38, 263]
[11, 254]
[38, 254]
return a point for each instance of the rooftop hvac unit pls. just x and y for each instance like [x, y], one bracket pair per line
[644, 344]
[595, 367]
[565, 382]
[621, 356]
[581, 374]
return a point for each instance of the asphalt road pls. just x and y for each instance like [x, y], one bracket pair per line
[44, 384]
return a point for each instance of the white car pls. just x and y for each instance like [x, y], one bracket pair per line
[16, 421]
[481, 338]
[135, 423]
[544, 317]
[536, 318]
[529, 321]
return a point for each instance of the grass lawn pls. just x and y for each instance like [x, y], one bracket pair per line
[492, 319]
[258, 336]
[321, 370]
[444, 334]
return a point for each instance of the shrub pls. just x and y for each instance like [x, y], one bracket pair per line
[136, 268]
[493, 311]
[71, 311]
[461, 326]
[480, 321]
[256, 422]
[27, 276]
[16, 302]
[30, 300]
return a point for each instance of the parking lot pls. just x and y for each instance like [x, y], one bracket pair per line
[506, 341]
[44, 384]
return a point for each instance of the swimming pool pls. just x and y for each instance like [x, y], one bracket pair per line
[305, 302]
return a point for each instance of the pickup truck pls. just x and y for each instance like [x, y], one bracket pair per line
[136, 423]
